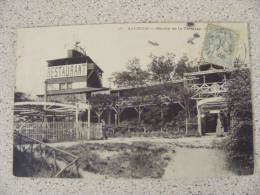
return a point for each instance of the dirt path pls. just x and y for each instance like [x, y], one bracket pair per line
[197, 162]
[197, 142]
[194, 156]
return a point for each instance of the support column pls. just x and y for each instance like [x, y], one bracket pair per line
[219, 129]
[199, 119]
[161, 109]
[77, 121]
[139, 110]
[116, 119]
[109, 116]
[45, 94]
[89, 111]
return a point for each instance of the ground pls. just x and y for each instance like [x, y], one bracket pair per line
[141, 157]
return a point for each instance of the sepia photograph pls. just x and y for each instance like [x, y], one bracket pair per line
[136, 101]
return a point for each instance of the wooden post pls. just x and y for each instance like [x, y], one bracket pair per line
[77, 167]
[45, 94]
[139, 116]
[109, 116]
[54, 159]
[186, 126]
[116, 119]
[89, 110]
[20, 142]
[40, 146]
[77, 121]
[199, 120]
[98, 117]
[139, 111]
[161, 108]
[31, 152]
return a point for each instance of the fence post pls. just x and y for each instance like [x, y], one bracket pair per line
[89, 122]
[20, 142]
[55, 163]
[186, 126]
[77, 167]
[77, 122]
[40, 146]
[31, 152]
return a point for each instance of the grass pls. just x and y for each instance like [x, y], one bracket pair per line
[136, 160]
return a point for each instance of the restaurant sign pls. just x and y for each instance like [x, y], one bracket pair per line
[72, 70]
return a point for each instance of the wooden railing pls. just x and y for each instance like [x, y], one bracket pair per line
[209, 89]
[55, 157]
[213, 87]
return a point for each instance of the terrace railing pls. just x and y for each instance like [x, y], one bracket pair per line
[60, 162]
[210, 88]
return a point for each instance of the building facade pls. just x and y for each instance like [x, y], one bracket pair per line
[72, 79]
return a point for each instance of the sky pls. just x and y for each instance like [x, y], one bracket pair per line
[109, 45]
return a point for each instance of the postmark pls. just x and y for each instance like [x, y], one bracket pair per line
[219, 45]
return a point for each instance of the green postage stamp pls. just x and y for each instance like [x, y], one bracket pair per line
[219, 45]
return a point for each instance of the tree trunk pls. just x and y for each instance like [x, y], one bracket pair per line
[161, 112]
[109, 117]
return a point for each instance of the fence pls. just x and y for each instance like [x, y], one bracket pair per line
[60, 162]
[59, 131]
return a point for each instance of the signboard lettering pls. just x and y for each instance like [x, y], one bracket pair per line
[72, 70]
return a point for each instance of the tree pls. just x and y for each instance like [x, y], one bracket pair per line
[183, 66]
[100, 103]
[22, 97]
[162, 67]
[133, 76]
[122, 79]
[240, 143]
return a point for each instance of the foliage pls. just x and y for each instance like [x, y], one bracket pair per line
[240, 143]
[22, 97]
[102, 100]
[135, 160]
[162, 67]
[183, 66]
[133, 76]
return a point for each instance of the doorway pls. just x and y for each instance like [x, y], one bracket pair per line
[209, 123]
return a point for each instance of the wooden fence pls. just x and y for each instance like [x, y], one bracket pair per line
[60, 163]
[59, 131]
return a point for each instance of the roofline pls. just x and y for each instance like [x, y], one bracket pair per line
[81, 90]
[156, 84]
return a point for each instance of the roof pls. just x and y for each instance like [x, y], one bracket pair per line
[72, 59]
[206, 72]
[208, 68]
[149, 85]
[72, 91]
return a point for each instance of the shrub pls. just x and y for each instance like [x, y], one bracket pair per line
[239, 145]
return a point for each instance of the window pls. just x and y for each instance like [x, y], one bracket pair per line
[77, 85]
[69, 85]
[54, 86]
[62, 86]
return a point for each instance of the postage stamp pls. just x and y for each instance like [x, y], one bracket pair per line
[219, 45]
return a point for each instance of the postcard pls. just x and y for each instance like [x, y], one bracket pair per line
[144, 100]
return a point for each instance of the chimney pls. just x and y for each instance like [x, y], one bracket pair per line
[72, 53]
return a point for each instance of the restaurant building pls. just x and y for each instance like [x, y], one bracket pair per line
[72, 79]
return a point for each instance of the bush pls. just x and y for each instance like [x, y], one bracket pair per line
[239, 145]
